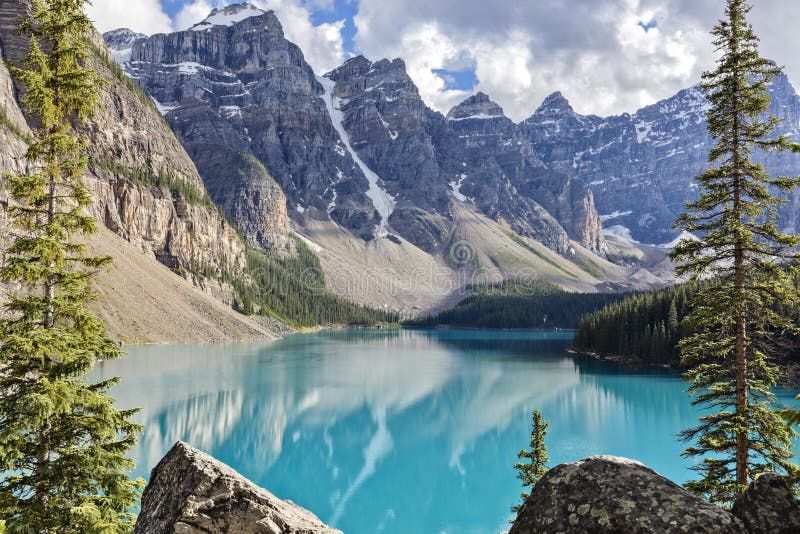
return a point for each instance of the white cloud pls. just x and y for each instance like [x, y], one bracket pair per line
[322, 44]
[144, 16]
[596, 53]
[192, 13]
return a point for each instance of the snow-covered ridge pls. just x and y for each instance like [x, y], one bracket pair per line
[228, 16]
[384, 203]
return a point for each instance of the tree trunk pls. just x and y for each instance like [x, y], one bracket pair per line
[740, 334]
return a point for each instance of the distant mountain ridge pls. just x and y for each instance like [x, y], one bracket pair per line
[641, 166]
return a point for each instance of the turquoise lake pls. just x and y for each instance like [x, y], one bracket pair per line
[399, 431]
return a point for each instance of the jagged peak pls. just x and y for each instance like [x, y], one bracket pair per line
[123, 32]
[228, 16]
[477, 106]
[122, 38]
[555, 103]
[360, 66]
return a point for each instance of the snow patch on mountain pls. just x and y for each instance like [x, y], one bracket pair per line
[120, 43]
[384, 203]
[615, 215]
[455, 188]
[620, 232]
[228, 16]
[162, 108]
[684, 235]
[480, 116]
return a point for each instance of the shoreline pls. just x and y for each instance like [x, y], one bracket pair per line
[789, 377]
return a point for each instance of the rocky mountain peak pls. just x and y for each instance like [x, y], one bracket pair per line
[120, 43]
[555, 104]
[359, 67]
[478, 106]
[121, 38]
[228, 16]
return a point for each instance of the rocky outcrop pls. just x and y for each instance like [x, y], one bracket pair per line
[496, 156]
[120, 43]
[476, 156]
[640, 166]
[388, 126]
[606, 494]
[192, 493]
[488, 160]
[147, 189]
[768, 506]
[246, 193]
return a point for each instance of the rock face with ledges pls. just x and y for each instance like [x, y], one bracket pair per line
[606, 494]
[768, 506]
[192, 493]
[358, 146]
[476, 155]
[640, 167]
[389, 127]
[501, 171]
[244, 190]
[235, 80]
[128, 137]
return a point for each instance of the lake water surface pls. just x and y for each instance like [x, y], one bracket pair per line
[398, 431]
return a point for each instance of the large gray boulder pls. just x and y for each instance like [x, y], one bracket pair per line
[192, 493]
[605, 494]
[768, 506]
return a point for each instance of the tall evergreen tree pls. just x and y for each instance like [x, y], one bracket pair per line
[63, 445]
[536, 466]
[735, 322]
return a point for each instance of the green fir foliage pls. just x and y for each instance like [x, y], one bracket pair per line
[645, 326]
[737, 328]
[63, 445]
[533, 464]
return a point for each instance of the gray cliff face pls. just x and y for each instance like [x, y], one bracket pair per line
[189, 238]
[640, 167]
[606, 494]
[243, 189]
[478, 156]
[192, 493]
[358, 146]
[389, 127]
[234, 80]
[502, 172]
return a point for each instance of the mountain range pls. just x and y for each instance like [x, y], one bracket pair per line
[222, 137]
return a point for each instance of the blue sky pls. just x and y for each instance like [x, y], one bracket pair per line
[605, 56]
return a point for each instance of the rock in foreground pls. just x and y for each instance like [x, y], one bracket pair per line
[192, 493]
[605, 494]
[768, 506]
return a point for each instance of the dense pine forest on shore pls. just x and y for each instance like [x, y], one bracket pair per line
[518, 304]
[647, 326]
